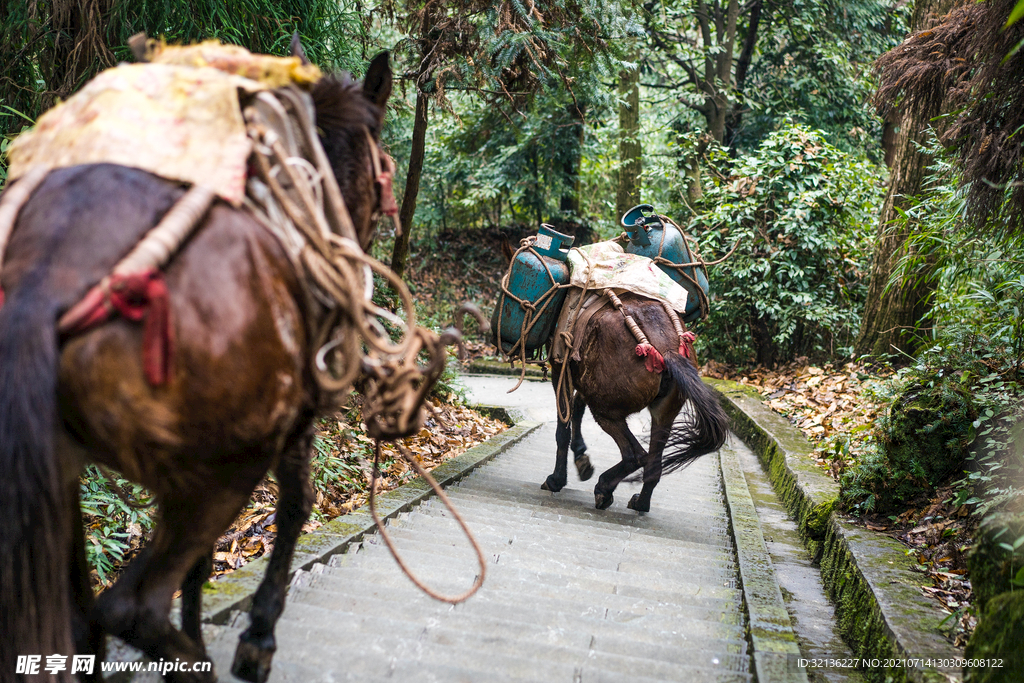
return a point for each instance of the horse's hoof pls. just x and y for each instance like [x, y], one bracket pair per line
[252, 663]
[634, 504]
[551, 484]
[603, 500]
[584, 468]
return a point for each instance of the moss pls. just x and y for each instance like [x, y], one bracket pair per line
[818, 518]
[928, 430]
[498, 367]
[922, 439]
[999, 636]
[857, 614]
[991, 565]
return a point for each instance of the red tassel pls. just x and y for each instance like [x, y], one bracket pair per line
[388, 205]
[93, 309]
[145, 295]
[686, 346]
[655, 361]
[139, 296]
[1, 297]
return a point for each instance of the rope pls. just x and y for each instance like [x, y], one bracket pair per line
[350, 341]
[638, 334]
[411, 459]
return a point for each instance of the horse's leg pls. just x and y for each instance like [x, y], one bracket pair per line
[136, 608]
[557, 479]
[578, 445]
[192, 598]
[633, 454]
[256, 645]
[664, 410]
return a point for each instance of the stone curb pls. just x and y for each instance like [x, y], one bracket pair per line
[235, 591]
[499, 367]
[880, 609]
[774, 643]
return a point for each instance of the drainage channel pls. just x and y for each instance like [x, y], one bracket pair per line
[811, 613]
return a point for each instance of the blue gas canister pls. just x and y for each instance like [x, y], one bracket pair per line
[534, 276]
[651, 236]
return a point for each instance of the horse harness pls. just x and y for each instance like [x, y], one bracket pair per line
[291, 190]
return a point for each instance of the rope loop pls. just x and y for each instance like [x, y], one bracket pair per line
[420, 470]
[304, 207]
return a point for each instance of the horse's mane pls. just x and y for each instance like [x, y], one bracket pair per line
[341, 106]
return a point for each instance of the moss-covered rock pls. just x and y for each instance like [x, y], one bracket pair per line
[923, 438]
[992, 566]
[1000, 637]
[928, 430]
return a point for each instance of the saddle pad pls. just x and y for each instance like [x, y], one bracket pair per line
[604, 265]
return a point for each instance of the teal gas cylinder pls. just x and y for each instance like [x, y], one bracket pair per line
[650, 236]
[532, 276]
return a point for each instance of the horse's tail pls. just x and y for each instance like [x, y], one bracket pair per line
[708, 425]
[35, 532]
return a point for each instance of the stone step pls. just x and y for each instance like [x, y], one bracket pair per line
[531, 582]
[436, 560]
[509, 590]
[360, 647]
[494, 514]
[536, 612]
[564, 629]
[553, 554]
[444, 531]
[618, 517]
[525, 482]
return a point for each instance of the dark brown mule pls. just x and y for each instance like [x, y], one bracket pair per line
[613, 381]
[241, 401]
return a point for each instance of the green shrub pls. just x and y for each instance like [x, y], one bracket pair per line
[952, 410]
[801, 211]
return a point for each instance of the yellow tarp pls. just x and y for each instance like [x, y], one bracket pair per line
[176, 117]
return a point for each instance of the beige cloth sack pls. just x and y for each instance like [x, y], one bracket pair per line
[178, 117]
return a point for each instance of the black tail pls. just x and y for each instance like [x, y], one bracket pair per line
[707, 425]
[35, 534]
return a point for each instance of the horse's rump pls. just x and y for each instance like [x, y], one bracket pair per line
[235, 310]
[610, 373]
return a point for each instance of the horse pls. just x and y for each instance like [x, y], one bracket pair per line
[615, 383]
[240, 400]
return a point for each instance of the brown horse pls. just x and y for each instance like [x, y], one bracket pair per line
[614, 382]
[239, 402]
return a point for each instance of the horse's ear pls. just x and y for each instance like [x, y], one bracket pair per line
[377, 84]
[506, 250]
[296, 48]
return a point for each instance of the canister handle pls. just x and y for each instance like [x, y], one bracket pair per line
[635, 216]
[550, 242]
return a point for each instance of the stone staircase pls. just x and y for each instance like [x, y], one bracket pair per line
[572, 594]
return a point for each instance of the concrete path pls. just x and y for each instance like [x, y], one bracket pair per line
[572, 594]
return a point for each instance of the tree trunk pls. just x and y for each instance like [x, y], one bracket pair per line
[735, 117]
[630, 149]
[412, 185]
[892, 313]
[570, 203]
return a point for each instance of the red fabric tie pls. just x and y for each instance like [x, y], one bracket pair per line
[139, 296]
[655, 361]
[1, 297]
[388, 205]
[686, 346]
[144, 296]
